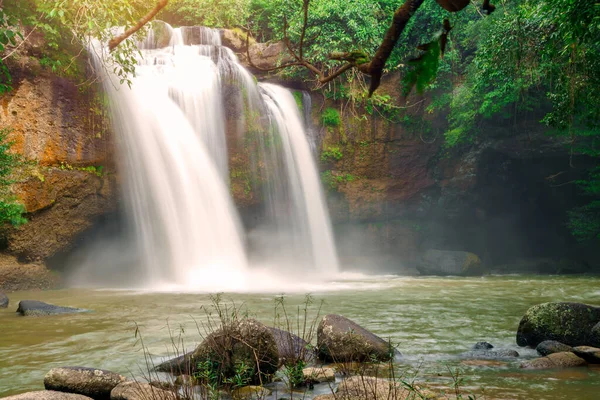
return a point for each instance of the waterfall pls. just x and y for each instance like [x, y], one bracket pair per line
[171, 127]
[305, 214]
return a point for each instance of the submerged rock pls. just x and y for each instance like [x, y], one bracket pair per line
[292, 347]
[140, 391]
[250, 393]
[38, 308]
[443, 262]
[556, 360]
[95, 383]
[482, 346]
[340, 339]
[568, 323]
[366, 387]
[589, 354]
[246, 341]
[552, 346]
[3, 300]
[47, 395]
[490, 354]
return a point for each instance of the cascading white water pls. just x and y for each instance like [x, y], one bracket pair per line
[171, 125]
[183, 216]
[306, 212]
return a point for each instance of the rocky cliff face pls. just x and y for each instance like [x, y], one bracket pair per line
[395, 192]
[67, 180]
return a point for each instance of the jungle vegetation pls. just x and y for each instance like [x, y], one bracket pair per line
[478, 60]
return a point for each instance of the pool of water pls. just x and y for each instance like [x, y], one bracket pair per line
[432, 321]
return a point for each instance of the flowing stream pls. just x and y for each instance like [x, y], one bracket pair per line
[432, 320]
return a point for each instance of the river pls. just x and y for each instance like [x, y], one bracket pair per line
[432, 320]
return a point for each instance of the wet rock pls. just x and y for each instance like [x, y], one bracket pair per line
[17, 276]
[292, 347]
[91, 382]
[589, 354]
[555, 360]
[340, 340]
[182, 365]
[36, 308]
[319, 375]
[482, 346]
[247, 341]
[443, 263]
[3, 300]
[140, 391]
[595, 334]
[366, 387]
[490, 354]
[47, 395]
[250, 393]
[568, 323]
[552, 346]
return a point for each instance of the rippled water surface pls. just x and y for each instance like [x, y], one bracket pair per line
[433, 320]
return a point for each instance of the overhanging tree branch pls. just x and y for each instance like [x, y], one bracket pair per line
[114, 42]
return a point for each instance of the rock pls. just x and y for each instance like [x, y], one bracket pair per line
[568, 323]
[595, 334]
[246, 341]
[367, 387]
[490, 354]
[16, 276]
[91, 382]
[36, 308]
[140, 391]
[182, 365]
[3, 300]
[482, 346]
[589, 354]
[552, 346]
[250, 393]
[555, 360]
[319, 375]
[292, 347]
[444, 262]
[340, 340]
[47, 395]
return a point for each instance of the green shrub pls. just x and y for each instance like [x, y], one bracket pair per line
[332, 153]
[10, 210]
[331, 118]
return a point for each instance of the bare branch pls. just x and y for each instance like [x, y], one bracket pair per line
[114, 42]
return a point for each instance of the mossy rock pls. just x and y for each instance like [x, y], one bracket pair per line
[245, 342]
[568, 323]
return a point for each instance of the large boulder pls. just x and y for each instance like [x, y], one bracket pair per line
[555, 360]
[47, 395]
[245, 342]
[340, 340]
[3, 300]
[91, 382]
[444, 262]
[568, 323]
[38, 308]
[292, 348]
[552, 346]
[131, 390]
